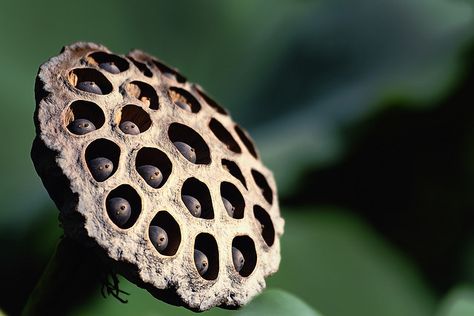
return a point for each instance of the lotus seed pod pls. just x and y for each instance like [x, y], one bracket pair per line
[158, 237]
[238, 259]
[192, 204]
[81, 126]
[151, 174]
[228, 207]
[143, 223]
[110, 67]
[101, 168]
[89, 86]
[202, 264]
[186, 150]
[129, 128]
[119, 210]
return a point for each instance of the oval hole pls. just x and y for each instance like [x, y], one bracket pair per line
[103, 57]
[263, 185]
[164, 220]
[182, 133]
[154, 157]
[224, 136]
[165, 70]
[142, 67]
[233, 195]
[102, 148]
[243, 135]
[186, 98]
[208, 245]
[137, 115]
[79, 75]
[213, 104]
[266, 225]
[144, 92]
[197, 189]
[84, 110]
[247, 247]
[234, 170]
[128, 193]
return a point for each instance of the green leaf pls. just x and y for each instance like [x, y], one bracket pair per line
[337, 263]
[277, 303]
[458, 302]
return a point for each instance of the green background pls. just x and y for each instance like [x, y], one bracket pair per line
[363, 109]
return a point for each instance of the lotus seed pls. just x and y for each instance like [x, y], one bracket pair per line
[192, 204]
[119, 210]
[101, 168]
[89, 86]
[183, 105]
[238, 259]
[129, 128]
[200, 259]
[81, 126]
[186, 150]
[110, 67]
[158, 237]
[151, 174]
[228, 207]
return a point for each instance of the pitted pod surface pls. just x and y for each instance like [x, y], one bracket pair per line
[152, 171]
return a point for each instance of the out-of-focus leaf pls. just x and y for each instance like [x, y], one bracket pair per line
[341, 59]
[277, 303]
[335, 262]
[458, 302]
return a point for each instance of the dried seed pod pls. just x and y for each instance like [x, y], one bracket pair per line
[178, 252]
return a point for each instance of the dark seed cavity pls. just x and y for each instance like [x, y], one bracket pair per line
[119, 210]
[101, 168]
[187, 151]
[238, 259]
[200, 259]
[151, 174]
[81, 126]
[158, 237]
[129, 128]
[110, 67]
[89, 86]
[192, 204]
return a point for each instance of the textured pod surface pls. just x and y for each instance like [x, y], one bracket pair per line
[166, 109]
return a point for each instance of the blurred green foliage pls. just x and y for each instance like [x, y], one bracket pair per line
[362, 106]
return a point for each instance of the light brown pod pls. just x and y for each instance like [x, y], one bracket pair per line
[167, 109]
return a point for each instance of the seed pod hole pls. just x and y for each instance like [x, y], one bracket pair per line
[90, 80]
[232, 200]
[224, 136]
[134, 120]
[263, 185]
[245, 138]
[164, 220]
[83, 110]
[116, 205]
[179, 133]
[167, 71]
[184, 99]
[207, 244]
[108, 62]
[105, 149]
[265, 224]
[234, 170]
[246, 246]
[153, 157]
[142, 67]
[211, 102]
[144, 92]
[196, 189]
